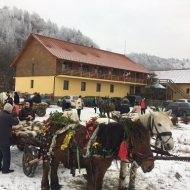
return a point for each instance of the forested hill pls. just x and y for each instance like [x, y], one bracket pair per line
[152, 62]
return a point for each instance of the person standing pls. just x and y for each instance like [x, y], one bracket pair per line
[27, 113]
[136, 108]
[143, 106]
[95, 104]
[124, 108]
[79, 106]
[16, 98]
[68, 112]
[6, 122]
[63, 104]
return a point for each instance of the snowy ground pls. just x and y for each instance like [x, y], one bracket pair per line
[167, 175]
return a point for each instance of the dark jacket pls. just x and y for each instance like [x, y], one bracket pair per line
[36, 99]
[25, 112]
[124, 108]
[63, 104]
[6, 122]
[16, 98]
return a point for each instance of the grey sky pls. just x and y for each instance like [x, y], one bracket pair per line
[156, 27]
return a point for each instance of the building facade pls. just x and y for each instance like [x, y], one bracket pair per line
[51, 66]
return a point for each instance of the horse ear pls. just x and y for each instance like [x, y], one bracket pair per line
[168, 112]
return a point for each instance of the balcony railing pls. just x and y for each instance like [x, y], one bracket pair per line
[102, 76]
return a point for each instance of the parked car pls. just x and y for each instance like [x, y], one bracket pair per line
[179, 108]
[165, 103]
[69, 98]
[133, 98]
[183, 100]
[89, 101]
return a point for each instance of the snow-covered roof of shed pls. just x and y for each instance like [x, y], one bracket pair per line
[177, 76]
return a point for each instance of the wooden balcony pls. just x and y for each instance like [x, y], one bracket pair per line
[102, 76]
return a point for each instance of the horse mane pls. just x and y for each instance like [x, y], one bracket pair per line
[110, 136]
[139, 131]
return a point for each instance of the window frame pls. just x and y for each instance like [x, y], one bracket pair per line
[65, 85]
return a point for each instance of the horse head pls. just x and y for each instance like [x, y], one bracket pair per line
[140, 147]
[161, 124]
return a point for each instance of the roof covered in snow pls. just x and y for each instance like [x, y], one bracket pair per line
[177, 76]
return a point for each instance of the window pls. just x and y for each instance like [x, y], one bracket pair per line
[137, 75]
[111, 88]
[138, 90]
[131, 90]
[98, 87]
[187, 90]
[85, 68]
[83, 86]
[114, 72]
[100, 70]
[67, 65]
[33, 67]
[32, 84]
[65, 85]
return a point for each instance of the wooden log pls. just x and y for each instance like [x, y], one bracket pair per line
[35, 160]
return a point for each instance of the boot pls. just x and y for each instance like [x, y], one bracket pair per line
[95, 109]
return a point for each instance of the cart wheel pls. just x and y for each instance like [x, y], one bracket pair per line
[30, 153]
[20, 147]
[41, 112]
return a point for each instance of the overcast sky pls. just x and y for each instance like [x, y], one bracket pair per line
[155, 27]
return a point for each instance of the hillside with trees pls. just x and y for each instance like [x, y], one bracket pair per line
[153, 63]
[16, 26]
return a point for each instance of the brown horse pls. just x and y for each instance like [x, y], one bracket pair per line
[109, 138]
[106, 107]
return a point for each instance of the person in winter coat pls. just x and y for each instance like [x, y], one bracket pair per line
[79, 106]
[143, 106]
[68, 112]
[63, 104]
[6, 122]
[124, 107]
[16, 98]
[136, 108]
[27, 113]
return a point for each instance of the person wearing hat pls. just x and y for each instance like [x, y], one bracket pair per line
[6, 122]
[68, 112]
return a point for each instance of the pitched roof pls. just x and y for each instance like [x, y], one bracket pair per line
[79, 53]
[177, 76]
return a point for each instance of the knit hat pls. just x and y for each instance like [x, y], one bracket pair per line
[8, 107]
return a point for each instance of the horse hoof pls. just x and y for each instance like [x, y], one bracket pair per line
[56, 186]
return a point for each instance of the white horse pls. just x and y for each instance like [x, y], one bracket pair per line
[159, 125]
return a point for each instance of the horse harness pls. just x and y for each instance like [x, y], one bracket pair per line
[137, 156]
[158, 135]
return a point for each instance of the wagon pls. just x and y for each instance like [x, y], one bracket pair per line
[40, 108]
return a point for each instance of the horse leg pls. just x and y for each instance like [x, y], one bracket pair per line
[54, 178]
[45, 181]
[122, 174]
[133, 171]
[90, 179]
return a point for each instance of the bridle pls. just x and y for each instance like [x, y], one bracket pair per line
[137, 156]
[151, 126]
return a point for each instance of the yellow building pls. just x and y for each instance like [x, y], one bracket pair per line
[52, 66]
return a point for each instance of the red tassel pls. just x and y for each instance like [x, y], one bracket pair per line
[123, 153]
